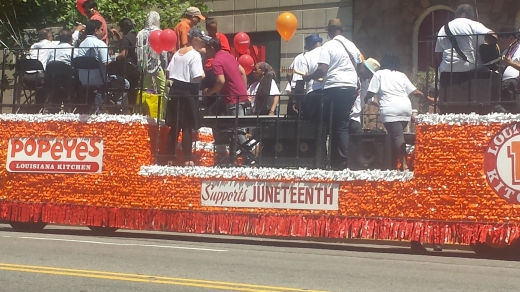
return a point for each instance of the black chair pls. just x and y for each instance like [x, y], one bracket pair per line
[60, 84]
[86, 96]
[130, 72]
[30, 74]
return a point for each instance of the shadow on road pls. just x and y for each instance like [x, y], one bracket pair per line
[353, 245]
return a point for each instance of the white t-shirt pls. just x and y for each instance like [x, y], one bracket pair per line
[342, 73]
[254, 88]
[510, 72]
[186, 67]
[392, 88]
[462, 28]
[296, 63]
[40, 51]
[359, 104]
[308, 64]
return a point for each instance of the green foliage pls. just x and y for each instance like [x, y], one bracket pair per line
[31, 14]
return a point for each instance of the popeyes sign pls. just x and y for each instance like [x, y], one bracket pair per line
[502, 163]
[53, 155]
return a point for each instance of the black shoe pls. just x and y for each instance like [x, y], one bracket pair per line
[437, 247]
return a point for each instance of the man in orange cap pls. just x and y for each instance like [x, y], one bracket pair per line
[192, 17]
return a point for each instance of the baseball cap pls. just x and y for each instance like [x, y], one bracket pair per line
[196, 32]
[194, 11]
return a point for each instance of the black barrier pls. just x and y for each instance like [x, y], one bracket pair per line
[278, 140]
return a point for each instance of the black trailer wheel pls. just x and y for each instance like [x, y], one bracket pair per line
[28, 226]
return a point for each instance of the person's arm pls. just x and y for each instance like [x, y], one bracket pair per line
[243, 74]
[276, 100]
[116, 34]
[300, 87]
[184, 36]
[416, 92]
[369, 96]
[509, 62]
[319, 73]
[219, 83]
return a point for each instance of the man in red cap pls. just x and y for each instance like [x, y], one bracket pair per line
[92, 12]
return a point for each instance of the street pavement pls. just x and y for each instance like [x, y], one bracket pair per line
[73, 259]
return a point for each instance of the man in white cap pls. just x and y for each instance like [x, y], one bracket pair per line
[192, 17]
[365, 75]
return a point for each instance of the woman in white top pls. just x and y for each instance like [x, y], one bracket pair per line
[393, 89]
[182, 112]
[264, 93]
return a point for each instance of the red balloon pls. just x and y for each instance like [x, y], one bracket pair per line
[247, 63]
[168, 39]
[155, 41]
[79, 4]
[242, 42]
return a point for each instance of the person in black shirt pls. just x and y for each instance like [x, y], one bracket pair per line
[128, 41]
[127, 58]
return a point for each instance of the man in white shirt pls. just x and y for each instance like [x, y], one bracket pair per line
[93, 46]
[64, 51]
[469, 35]
[313, 88]
[39, 51]
[338, 65]
[509, 41]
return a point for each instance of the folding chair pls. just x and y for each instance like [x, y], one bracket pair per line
[130, 73]
[60, 84]
[30, 74]
[93, 79]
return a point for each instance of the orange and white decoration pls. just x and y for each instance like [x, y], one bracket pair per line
[463, 190]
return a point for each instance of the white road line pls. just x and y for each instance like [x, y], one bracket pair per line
[124, 244]
[7, 236]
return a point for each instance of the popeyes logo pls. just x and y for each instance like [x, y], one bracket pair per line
[502, 163]
[67, 155]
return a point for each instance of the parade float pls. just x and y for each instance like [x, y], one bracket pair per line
[99, 171]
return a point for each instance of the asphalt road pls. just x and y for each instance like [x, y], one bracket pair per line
[72, 259]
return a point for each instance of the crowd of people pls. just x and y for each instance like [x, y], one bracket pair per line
[336, 83]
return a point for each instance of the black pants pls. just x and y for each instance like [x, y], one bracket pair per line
[36, 81]
[510, 95]
[339, 102]
[182, 114]
[220, 108]
[354, 127]
[396, 131]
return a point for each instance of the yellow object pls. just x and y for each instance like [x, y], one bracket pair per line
[151, 100]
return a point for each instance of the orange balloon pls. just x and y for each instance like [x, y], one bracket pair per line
[286, 24]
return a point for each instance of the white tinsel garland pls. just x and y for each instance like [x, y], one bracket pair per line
[467, 119]
[276, 174]
[69, 117]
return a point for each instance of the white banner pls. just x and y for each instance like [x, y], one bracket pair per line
[52, 155]
[299, 196]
